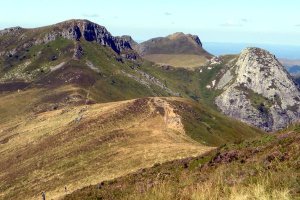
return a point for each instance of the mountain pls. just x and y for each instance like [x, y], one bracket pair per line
[72, 30]
[77, 53]
[257, 89]
[99, 67]
[178, 50]
[79, 106]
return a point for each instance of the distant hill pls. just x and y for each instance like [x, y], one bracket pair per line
[178, 49]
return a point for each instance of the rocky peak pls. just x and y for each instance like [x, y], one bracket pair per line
[10, 30]
[259, 91]
[83, 29]
[180, 35]
[196, 39]
[260, 71]
[129, 39]
[177, 43]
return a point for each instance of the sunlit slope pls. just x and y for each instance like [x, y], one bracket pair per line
[81, 145]
[86, 144]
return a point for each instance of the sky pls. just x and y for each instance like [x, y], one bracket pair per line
[233, 21]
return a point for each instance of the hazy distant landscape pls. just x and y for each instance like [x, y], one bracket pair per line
[289, 55]
[290, 52]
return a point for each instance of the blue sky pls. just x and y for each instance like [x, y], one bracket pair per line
[253, 21]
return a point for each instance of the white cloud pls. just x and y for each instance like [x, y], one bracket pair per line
[235, 23]
[91, 15]
[168, 13]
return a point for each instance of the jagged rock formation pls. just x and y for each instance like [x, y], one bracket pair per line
[73, 30]
[10, 30]
[259, 91]
[77, 29]
[129, 39]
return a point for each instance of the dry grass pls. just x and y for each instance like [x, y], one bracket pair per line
[209, 191]
[265, 168]
[187, 61]
[217, 187]
[83, 145]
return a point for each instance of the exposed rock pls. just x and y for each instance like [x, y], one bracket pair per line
[149, 80]
[91, 66]
[78, 52]
[89, 31]
[260, 93]
[10, 30]
[77, 29]
[215, 60]
[129, 39]
[57, 67]
[226, 78]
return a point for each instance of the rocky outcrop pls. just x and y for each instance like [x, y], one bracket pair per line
[10, 30]
[258, 90]
[129, 39]
[74, 30]
[149, 81]
[78, 52]
[89, 31]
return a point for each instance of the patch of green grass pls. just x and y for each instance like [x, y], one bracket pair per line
[190, 84]
[258, 101]
[209, 127]
[206, 78]
[50, 54]
[112, 84]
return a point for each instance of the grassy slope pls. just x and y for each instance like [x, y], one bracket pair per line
[209, 127]
[41, 117]
[177, 50]
[188, 61]
[107, 83]
[263, 168]
[110, 83]
[78, 146]
[190, 84]
[81, 145]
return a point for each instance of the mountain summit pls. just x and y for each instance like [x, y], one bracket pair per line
[178, 49]
[74, 29]
[258, 90]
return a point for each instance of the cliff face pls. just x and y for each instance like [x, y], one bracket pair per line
[259, 91]
[77, 29]
[72, 29]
